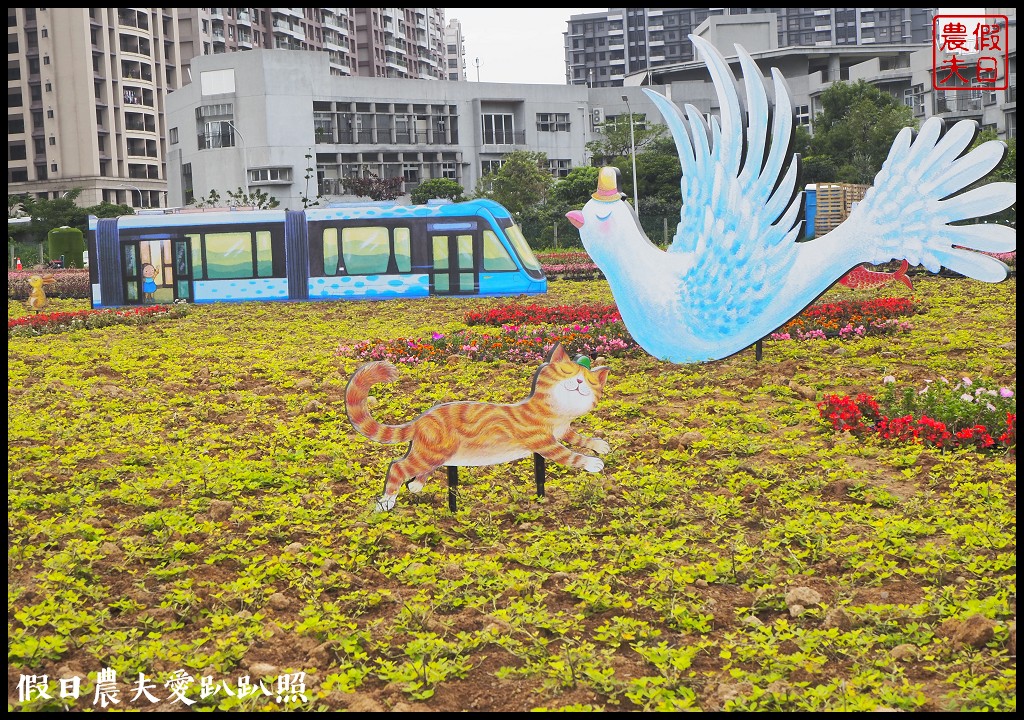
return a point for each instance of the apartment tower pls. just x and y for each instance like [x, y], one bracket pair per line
[87, 86]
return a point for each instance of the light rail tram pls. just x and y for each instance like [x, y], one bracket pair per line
[348, 251]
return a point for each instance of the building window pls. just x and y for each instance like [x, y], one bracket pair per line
[559, 168]
[553, 122]
[270, 175]
[53, 140]
[803, 115]
[498, 129]
[218, 134]
[49, 114]
[173, 135]
[186, 183]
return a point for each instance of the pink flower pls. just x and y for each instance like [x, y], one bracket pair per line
[1006, 392]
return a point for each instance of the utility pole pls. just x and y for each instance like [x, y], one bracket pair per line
[632, 152]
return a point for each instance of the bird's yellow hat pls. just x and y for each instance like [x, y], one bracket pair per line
[607, 185]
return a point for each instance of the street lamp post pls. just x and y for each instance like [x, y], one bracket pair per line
[126, 185]
[632, 153]
[245, 159]
[583, 125]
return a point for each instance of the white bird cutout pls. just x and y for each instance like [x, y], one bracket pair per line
[734, 271]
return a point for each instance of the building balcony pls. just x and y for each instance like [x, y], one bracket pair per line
[955, 105]
[503, 140]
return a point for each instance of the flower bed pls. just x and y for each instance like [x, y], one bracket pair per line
[966, 415]
[849, 320]
[569, 266]
[69, 284]
[514, 344]
[540, 314]
[58, 322]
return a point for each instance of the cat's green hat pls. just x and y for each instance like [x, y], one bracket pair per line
[582, 360]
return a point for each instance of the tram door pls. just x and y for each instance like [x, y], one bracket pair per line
[181, 270]
[455, 252]
[148, 270]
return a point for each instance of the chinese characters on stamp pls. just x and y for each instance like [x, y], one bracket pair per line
[969, 52]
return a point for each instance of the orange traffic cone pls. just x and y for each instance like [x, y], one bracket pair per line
[19, 262]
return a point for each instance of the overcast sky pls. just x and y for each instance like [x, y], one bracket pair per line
[515, 46]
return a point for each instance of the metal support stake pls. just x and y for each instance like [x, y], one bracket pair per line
[453, 484]
[538, 473]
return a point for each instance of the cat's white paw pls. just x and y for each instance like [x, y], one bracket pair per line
[415, 486]
[599, 446]
[385, 503]
[593, 464]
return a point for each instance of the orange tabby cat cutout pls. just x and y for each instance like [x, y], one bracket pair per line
[470, 433]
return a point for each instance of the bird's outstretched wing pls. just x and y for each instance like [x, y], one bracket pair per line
[740, 212]
[920, 190]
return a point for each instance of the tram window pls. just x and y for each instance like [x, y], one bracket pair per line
[465, 251]
[440, 252]
[197, 256]
[264, 254]
[496, 257]
[330, 251]
[366, 250]
[228, 255]
[403, 256]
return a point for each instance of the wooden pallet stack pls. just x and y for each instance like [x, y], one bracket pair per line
[835, 201]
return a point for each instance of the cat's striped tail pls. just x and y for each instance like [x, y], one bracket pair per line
[356, 394]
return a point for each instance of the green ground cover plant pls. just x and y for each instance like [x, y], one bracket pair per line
[188, 500]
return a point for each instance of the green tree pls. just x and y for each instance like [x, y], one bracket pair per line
[48, 214]
[373, 186]
[856, 128]
[522, 184]
[108, 210]
[438, 188]
[818, 169]
[615, 139]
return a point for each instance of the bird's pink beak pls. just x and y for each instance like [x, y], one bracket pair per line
[576, 218]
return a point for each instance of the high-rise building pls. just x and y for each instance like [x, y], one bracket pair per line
[601, 49]
[455, 50]
[87, 87]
